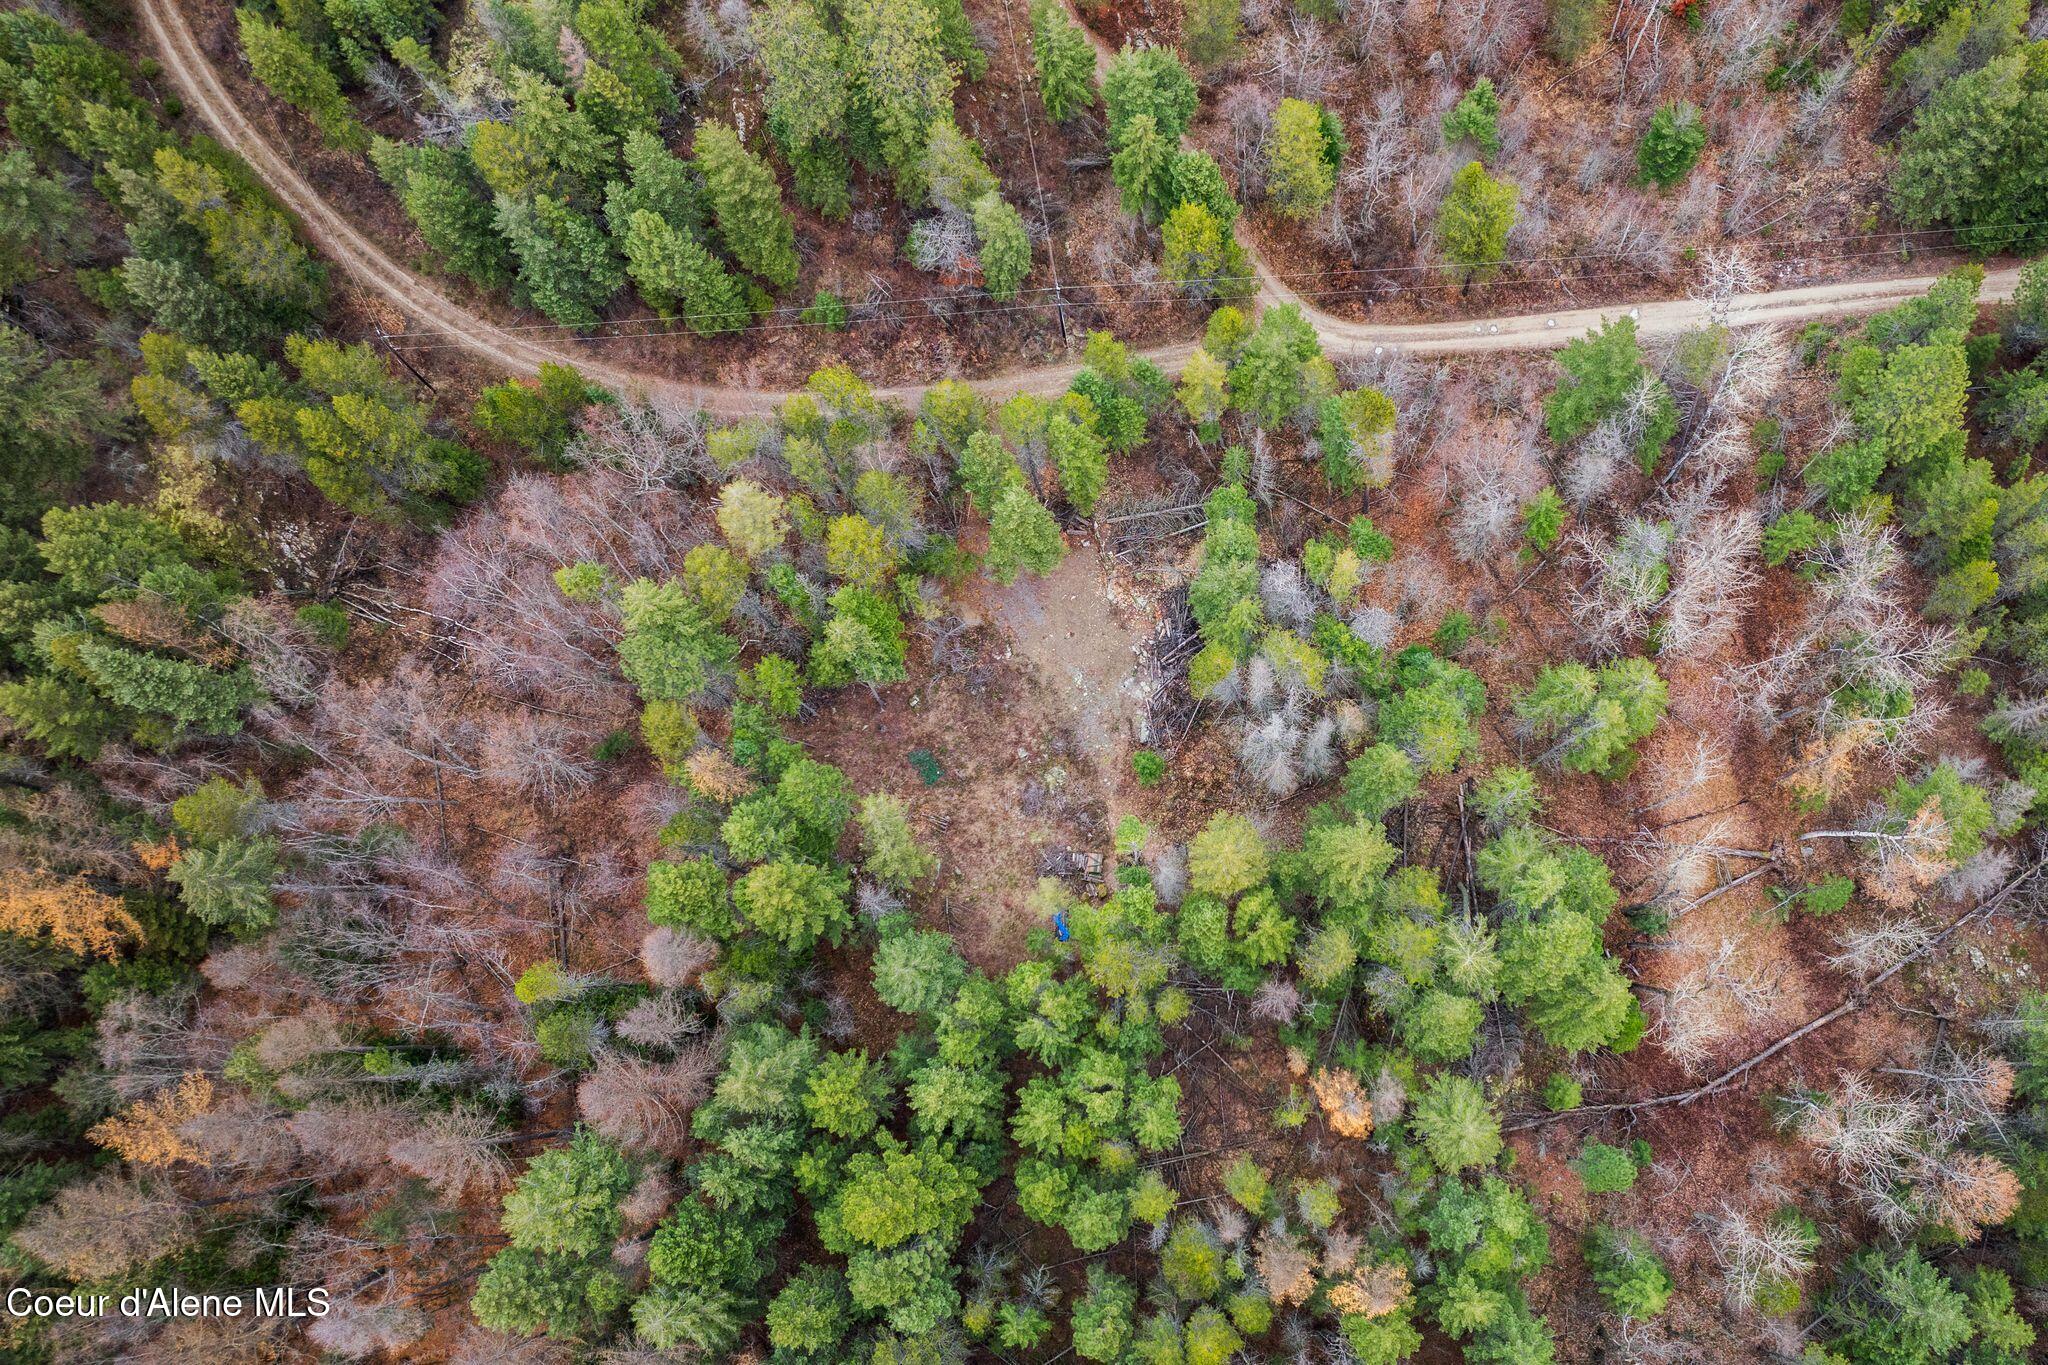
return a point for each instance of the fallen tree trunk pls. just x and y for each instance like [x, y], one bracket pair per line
[1855, 1000]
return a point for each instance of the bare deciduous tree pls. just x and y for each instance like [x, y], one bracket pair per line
[352, 1135]
[1756, 1253]
[1713, 568]
[1591, 467]
[458, 1152]
[644, 1105]
[358, 1328]
[241, 1134]
[1287, 594]
[106, 1226]
[1702, 765]
[1625, 579]
[1486, 515]
[673, 957]
[1732, 985]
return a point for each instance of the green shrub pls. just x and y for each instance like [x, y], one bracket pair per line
[327, 622]
[827, 310]
[1604, 1169]
[1828, 896]
[1476, 119]
[1671, 144]
[1453, 633]
[1628, 1272]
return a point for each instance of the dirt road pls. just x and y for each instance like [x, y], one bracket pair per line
[428, 310]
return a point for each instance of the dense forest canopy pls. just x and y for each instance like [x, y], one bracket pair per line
[1269, 847]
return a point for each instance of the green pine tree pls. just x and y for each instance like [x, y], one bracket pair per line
[747, 205]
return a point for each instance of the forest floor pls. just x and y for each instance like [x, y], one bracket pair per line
[1082, 632]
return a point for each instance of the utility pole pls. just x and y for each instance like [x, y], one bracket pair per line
[1052, 255]
[399, 356]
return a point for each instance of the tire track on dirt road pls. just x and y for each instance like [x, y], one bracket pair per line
[428, 309]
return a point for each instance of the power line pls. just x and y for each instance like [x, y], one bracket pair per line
[1052, 255]
[1250, 278]
[660, 327]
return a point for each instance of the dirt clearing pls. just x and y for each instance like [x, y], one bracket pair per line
[1083, 637]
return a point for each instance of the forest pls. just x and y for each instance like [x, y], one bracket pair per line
[1147, 828]
[823, 178]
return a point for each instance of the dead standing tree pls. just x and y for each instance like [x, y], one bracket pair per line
[2025, 883]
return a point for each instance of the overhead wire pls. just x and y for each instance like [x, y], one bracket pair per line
[673, 326]
[570, 331]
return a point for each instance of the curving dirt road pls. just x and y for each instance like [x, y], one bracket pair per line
[186, 64]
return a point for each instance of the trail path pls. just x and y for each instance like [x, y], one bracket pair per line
[429, 310]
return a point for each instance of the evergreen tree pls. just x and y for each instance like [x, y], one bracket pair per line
[567, 268]
[1671, 144]
[812, 1313]
[1301, 171]
[955, 176]
[1472, 225]
[1896, 1309]
[567, 1202]
[669, 266]
[956, 37]
[1603, 372]
[51, 413]
[1142, 165]
[659, 183]
[1455, 1123]
[1605, 1169]
[364, 30]
[521, 1292]
[906, 81]
[1200, 254]
[1270, 380]
[844, 1094]
[568, 154]
[987, 471]
[442, 196]
[1627, 1272]
[1968, 158]
[294, 73]
[626, 87]
[1574, 26]
[37, 216]
[1476, 119]
[1081, 459]
[1227, 858]
[250, 277]
[228, 883]
[1380, 778]
[1149, 81]
[752, 223]
[1203, 392]
[1555, 968]
[794, 903]
[669, 649]
[1005, 246]
[536, 417]
[1543, 518]
[1065, 60]
[1440, 1026]
[1356, 433]
[893, 855]
[706, 1319]
[1210, 28]
[1022, 535]
[1594, 716]
[806, 64]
